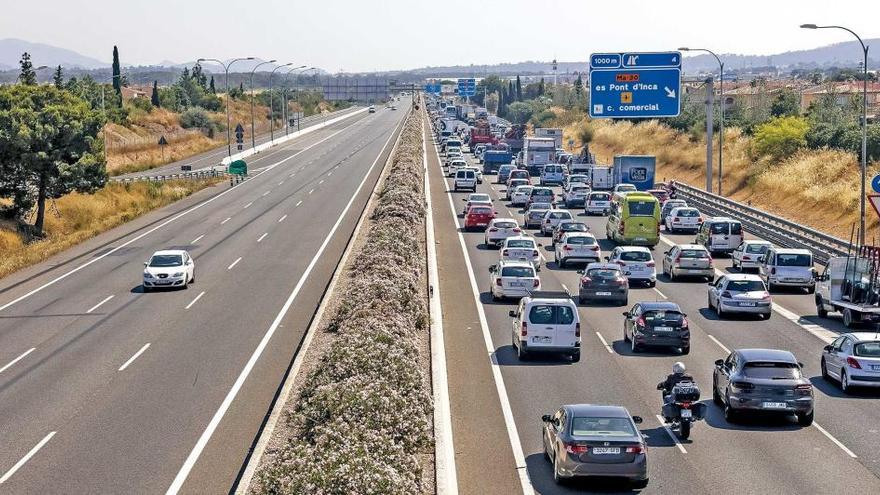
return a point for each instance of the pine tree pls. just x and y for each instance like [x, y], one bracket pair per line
[511, 92]
[117, 72]
[58, 79]
[501, 103]
[28, 76]
[211, 87]
[541, 87]
[154, 98]
[518, 89]
[579, 85]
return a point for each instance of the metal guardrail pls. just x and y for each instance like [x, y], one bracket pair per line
[201, 174]
[779, 231]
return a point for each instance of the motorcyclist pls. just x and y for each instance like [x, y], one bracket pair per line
[677, 376]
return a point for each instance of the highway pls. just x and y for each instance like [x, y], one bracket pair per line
[106, 389]
[755, 456]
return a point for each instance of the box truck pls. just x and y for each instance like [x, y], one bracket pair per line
[637, 170]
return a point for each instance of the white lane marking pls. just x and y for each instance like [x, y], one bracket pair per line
[605, 343]
[836, 441]
[671, 435]
[248, 205]
[329, 173]
[27, 457]
[718, 343]
[291, 175]
[19, 358]
[227, 219]
[311, 191]
[565, 288]
[197, 239]
[96, 306]
[280, 183]
[259, 239]
[135, 356]
[194, 300]
[266, 193]
[282, 218]
[234, 263]
[507, 412]
[320, 182]
[163, 224]
[298, 203]
[661, 294]
[233, 392]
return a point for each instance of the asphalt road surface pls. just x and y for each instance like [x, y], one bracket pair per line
[106, 389]
[764, 455]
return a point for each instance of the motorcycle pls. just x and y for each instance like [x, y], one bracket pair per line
[683, 407]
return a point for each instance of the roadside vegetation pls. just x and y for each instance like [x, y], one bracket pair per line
[361, 422]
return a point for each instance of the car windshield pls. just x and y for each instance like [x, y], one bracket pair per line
[772, 370]
[161, 260]
[517, 271]
[687, 213]
[694, 253]
[581, 240]
[659, 316]
[546, 314]
[505, 225]
[793, 260]
[559, 215]
[597, 426]
[603, 273]
[600, 197]
[481, 211]
[868, 349]
[520, 243]
[635, 256]
[745, 285]
[641, 208]
[757, 248]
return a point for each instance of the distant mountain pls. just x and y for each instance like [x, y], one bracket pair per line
[42, 54]
[846, 54]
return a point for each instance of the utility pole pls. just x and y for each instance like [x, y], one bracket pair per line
[710, 113]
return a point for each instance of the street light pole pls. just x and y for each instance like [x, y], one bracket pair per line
[296, 80]
[253, 135]
[721, 109]
[272, 103]
[284, 98]
[864, 123]
[226, 70]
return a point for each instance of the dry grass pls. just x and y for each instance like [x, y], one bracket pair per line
[816, 187]
[85, 216]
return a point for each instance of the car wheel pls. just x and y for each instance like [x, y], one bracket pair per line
[521, 354]
[729, 413]
[576, 357]
[716, 398]
[146, 289]
[719, 311]
[811, 289]
[494, 296]
[556, 478]
[672, 274]
[581, 300]
[805, 419]
[633, 346]
[848, 318]
[562, 263]
[685, 350]
[844, 382]
[652, 283]
[547, 454]
[193, 279]
[820, 308]
[685, 430]
[640, 484]
[767, 315]
[824, 369]
[624, 301]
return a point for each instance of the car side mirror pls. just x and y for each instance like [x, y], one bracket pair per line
[800, 364]
[625, 313]
[637, 420]
[827, 348]
[660, 386]
[580, 272]
[464, 199]
[547, 418]
[512, 313]
[719, 363]
[607, 258]
[146, 263]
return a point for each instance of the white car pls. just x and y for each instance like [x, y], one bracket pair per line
[749, 254]
[637, 263]
[546, 322]
[454, 166]
[740, 293]
[515, 183]
[512, 279]
[481, 199]
[169, 268]
[577, 247]
[575, 195]
[500, 229]
[521, 195]
[597, 203]
[624, 188]
[785, 267]
[552, 218]
[853, 360]
[683, 219]
[521, 248]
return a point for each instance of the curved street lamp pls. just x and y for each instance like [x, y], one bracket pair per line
[721, 96]
[284, 99]
[226, 67]
[253, 136]
[272, 103]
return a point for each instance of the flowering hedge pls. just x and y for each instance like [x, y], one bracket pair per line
[363, 417]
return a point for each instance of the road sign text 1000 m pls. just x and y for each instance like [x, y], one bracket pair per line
[635, 85]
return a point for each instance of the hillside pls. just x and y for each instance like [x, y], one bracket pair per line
[43, 54]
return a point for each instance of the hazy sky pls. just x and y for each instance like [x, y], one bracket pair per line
[369, 35]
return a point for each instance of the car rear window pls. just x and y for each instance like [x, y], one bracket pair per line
[481, 211]
[542, 192]
[688, 213]
[517, 271]
[641, 208]
[868, 349]
[658, 317]
[505, 225]
[465, 174]
[794, 260]
[581, 240]
[520, 243]
[745, 285]
[579, 189]
[772, 370]
[694, 253]
[719, 228]
[626, 188]
[523, 190]
[635, 256]
[606, 427]
[519, 174]
[559, 215]
[736, 228]
[547, 314]
[573, 227]
[757, 248]
[476, 198]
[603, 273]
[600, 197]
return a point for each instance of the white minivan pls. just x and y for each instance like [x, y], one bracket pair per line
[783, 267]
[546, 322]
[465, 179]
[720, 234]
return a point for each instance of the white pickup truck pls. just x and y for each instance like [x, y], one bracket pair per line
[849, 285]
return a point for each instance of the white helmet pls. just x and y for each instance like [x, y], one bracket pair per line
[678, 368]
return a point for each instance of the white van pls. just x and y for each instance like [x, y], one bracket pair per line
[546, 322]
[782, 267]
[465, 179]
[552, 174]
[720, 234]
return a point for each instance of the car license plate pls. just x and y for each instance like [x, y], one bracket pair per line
[162, 282]
[662, 329]
[606, 450]
[641, 239]
[608, 294]
[686, 413]
[773, 405]
[518, 284]
[875, 367]
[541, 340]
[747, 304]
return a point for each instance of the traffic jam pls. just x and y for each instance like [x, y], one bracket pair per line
[634, 330]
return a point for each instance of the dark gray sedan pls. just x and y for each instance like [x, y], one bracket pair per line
[660, 324]
[591, 440]
[762, 381]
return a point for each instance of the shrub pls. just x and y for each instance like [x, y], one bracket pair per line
[781, 137]
[195, 117]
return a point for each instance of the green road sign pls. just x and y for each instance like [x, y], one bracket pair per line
[238, 167]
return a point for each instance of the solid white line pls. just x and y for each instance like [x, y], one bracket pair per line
[233, 263]
[507, 413]
[671, 435]
[565, 288]
[19, 358]
[298, 203]
[311, 191]
[661, 294]
[725, 349]
[194, 300]
[266, 193]
[248, 205]
[262, 236]
[282, 218]
[605, 343]
[280, 183]
[329, 173]
[131, 359]
[230, 396]
[227, 219]
[96, 306]
[27, 457]
[197, 239]
[320, 182]
[291, 175]
[836, 441]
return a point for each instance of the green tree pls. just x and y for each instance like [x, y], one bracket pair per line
[58, 77]
[154, 98]
[781, 137]
[212, 89]
[541, 88]
[518, 89]
[787, 103]
[49, 147]
[117, 73]
[519, 112]
[579, 86]
[28, 76]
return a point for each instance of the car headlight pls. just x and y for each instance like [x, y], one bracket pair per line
[148, 275]
[178, 274]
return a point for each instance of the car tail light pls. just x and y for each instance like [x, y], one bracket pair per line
[524, 330]
[804, 389]
[498, 282]
[504, 252]
[586, 280]
[517, 229]
[853, 363]
[576, 449]
[650, 263]
[536, 283]
[726, 295]
[641, 321]
[765, 296]
[675, 220]
[594, 248]
[637, 449]
[711, 261]
[684, 323]
[621, 280]
[567, 248]
[773, 271]
[678, 259]
[621, 263]
[535, 253]
[747, 258]
[493, 229]
[744, 386]
[621, 228]
[577, 329]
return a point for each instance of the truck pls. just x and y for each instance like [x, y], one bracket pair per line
[850, 285]
[550, 132]
[601, 177]
[482, 113]
[537, 152]
[514, 137]
[493, 159]
[481, 133]
[637, 170]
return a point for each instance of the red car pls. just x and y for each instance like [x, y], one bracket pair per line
[478, 217]
[661, 194]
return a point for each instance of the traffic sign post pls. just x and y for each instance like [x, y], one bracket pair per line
[239, 137]
[635, 85]
[467, 87]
